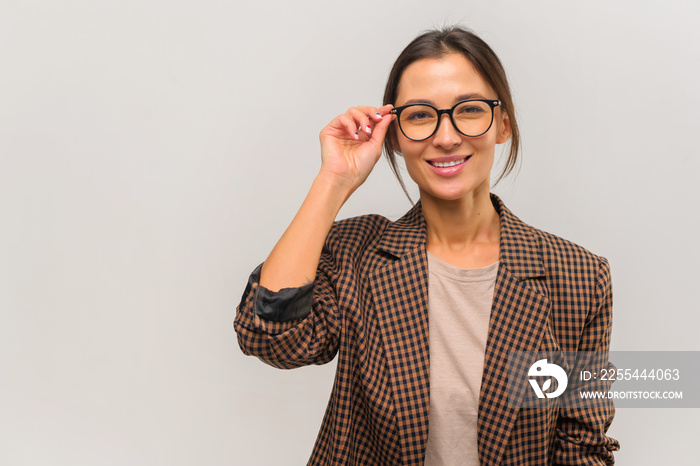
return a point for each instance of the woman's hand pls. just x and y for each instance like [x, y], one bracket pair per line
[351, 144]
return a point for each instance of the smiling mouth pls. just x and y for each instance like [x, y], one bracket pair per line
[449, 164]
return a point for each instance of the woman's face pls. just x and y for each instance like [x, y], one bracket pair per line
[442, 82]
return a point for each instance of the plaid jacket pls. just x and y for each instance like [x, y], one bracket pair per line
[370, 307]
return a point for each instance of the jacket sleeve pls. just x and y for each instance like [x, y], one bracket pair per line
[582, 424]
[292, 327]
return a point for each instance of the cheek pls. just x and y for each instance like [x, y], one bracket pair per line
[410, 150]
[486, 144]
[411, 154]
[412, 163]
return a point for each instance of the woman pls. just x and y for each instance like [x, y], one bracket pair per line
[422, 312]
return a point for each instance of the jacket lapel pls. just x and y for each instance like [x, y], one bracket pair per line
[400, 294]
[519, 314]
[399, 289]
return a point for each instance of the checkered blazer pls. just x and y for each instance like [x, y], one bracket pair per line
[370, 307]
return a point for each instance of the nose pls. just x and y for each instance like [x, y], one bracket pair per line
[446, 136]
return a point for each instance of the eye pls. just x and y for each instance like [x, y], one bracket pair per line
[471, 110]
[418, 115]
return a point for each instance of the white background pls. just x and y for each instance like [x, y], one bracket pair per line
[152, 153]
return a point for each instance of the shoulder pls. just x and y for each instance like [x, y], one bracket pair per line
[354, 235]
[370, 242]
[561, 249]
[551, 248]
[561, 260]
[350, 248]
[568, 262]
[355, 230]
[577, 281]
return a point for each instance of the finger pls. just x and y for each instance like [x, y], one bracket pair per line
[350, 126]
[362, 119]
[373, 114]
[379, 113]
[383, 110]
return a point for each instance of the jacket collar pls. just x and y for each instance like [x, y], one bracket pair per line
[519, 249]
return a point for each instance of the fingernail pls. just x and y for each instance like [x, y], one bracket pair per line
[356, 135]
[359, 128]
[379, 115]
[369, 129]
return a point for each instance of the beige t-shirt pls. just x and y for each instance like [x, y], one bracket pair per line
[459, 308]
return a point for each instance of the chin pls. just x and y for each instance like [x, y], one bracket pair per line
[460, 191]
[448, 195]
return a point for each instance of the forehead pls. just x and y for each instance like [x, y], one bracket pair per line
[441, 80]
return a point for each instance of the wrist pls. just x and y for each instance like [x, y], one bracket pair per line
[334, 185]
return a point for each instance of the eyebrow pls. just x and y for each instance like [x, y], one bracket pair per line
[459, 98]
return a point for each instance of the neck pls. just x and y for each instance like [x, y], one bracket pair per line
[463, 225]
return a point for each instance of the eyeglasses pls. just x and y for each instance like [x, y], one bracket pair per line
[472, 118]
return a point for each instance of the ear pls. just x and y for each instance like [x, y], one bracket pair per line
[504, 130]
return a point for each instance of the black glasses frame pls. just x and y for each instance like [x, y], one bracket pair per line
[449, 111]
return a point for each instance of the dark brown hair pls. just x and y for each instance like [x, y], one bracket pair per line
[436, 44]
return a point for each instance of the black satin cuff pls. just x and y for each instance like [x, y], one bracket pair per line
[283, 305]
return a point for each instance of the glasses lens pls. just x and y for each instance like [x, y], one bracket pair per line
[473, 118]
[418, 121]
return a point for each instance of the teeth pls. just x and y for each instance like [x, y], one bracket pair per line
[448, 164]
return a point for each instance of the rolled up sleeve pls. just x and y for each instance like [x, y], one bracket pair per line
[292, 327]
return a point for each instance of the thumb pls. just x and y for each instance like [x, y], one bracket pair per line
[380, 129]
